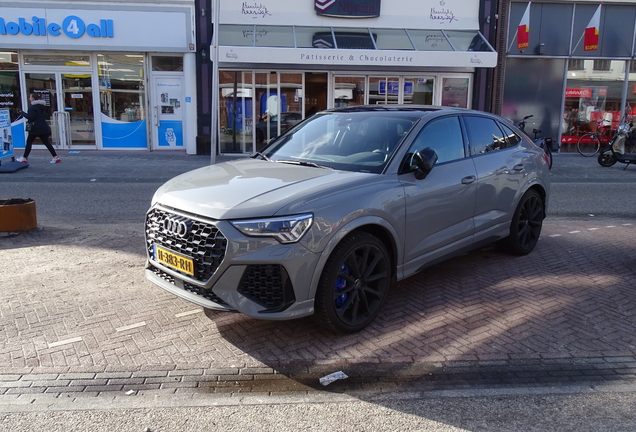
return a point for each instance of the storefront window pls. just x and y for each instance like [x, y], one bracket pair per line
[314, 37]
[235, 111]
[348, 91]
[418, 91]
[392, 39]
[236, 35]
[630, 106]
[272, 36]
[122, 98]
[269, 104]
[10, 84]
[384, 90]
[593, 98]
[167, 64]
[69, 59]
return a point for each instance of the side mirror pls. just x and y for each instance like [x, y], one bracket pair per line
[424, 161]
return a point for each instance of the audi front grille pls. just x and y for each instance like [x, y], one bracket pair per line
[201, 241]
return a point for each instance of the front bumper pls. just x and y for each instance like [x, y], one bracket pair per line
[258, 277]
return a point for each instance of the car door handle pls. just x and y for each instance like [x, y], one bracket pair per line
[518, 167]
[469, 179]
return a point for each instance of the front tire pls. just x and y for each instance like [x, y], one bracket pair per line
[548, 153]
[607, 158]
[588, 148]
[354, 284]
[526, 224]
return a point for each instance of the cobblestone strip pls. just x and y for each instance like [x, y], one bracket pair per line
[303, 378]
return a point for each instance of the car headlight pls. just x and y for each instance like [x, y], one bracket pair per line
[286, 229]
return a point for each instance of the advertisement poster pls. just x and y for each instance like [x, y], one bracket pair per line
[6, 138]
[170, 132]
[455, 92]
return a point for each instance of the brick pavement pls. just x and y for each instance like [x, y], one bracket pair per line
[565, 313]
[78, 318]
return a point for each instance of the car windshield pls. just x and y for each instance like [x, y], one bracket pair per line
[351, 141]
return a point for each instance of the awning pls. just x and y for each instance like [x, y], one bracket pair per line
[354, 46]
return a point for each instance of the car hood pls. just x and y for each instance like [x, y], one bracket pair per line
[250, 188]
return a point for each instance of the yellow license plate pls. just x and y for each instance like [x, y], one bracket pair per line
[174, 260]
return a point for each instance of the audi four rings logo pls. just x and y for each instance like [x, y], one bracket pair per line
[176, 226]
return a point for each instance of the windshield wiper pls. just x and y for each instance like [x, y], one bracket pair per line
[303, 163]
[263, 156]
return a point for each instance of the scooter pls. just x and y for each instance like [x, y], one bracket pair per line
[547, 144]
[622, 148]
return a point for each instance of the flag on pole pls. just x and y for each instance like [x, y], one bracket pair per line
[523, 31]
[590, 38]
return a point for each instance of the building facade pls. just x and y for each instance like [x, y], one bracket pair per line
[278, 62]
[113, 75]
[571, 65]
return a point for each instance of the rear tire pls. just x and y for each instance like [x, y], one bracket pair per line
[548, 153]
[526, 224]
[607, 158]
[354, 284]
[590, 148]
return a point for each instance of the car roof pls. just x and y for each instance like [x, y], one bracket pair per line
[398, 108]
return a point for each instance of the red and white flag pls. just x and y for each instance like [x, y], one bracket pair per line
[590, 39]
[523, 31]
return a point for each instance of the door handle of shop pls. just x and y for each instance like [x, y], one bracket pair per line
[158, 115]
[468, 180]
[518, 167]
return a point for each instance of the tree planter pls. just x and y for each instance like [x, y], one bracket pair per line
[17, 214]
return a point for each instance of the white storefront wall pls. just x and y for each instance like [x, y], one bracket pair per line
[90, 28]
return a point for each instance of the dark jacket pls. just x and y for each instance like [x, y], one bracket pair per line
[37, 116]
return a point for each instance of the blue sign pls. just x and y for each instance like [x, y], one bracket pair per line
[72, 26]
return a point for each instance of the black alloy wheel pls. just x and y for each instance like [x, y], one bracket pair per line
[526, 225]
[354, 284]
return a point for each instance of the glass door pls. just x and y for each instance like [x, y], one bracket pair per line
[46, 85]
[69, 100]
[77, 97]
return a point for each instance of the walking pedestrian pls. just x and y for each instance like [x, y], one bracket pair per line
[37, 127]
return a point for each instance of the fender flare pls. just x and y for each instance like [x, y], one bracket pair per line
[345, 230]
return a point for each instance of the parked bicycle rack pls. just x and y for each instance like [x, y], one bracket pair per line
[61, 131]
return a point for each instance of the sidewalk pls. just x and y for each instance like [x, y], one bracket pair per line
[78, 318]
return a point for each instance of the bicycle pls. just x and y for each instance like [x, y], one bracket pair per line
[590, 143]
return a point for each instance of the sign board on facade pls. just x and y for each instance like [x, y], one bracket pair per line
[348, 8]
[412, 14]
[56, 28]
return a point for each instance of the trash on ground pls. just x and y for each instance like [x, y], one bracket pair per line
[328, 379]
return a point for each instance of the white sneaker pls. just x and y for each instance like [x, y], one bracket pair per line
[56, 160]
[21, 159]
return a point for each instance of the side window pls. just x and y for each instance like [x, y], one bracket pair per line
[443, 135]
[484, 135]
[511, 136]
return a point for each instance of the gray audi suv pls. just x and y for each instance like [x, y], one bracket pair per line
[331, 213]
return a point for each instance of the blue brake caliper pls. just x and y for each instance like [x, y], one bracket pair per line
[340, 285]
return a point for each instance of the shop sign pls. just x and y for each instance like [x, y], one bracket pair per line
[585, 92]
[348, 8]
[72, 26]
